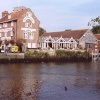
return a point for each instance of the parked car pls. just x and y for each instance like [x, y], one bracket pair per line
[14, 49]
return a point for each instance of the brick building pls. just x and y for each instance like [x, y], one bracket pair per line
[98, 38]
[21, 25]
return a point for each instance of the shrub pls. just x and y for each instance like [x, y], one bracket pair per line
[36, 54]
[70, 54]
[6, 42]
[12, 42]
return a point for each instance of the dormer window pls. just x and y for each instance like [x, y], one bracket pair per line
[9, 16]
[12, 23]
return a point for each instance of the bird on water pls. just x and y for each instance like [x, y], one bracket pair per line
[65, 88]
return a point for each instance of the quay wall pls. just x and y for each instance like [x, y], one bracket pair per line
[11, 55]
[44, 56]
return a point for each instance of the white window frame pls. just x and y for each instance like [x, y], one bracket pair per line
[31, 36]
[33, 45]
[5, 34]
[29, 45]
[30, 24]
[29, 14]
[11, 33]
[26, 24]
[5, 25]
[12, 23]
[9, 16]
[25, 35]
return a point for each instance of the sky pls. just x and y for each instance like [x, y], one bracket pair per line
[58, 15]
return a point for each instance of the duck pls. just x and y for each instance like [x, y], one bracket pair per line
[65, 88]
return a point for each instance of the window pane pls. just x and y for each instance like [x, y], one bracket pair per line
[33, 45]
[29, 45]
[12, 23]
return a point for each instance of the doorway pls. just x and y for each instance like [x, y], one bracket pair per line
[50, 44]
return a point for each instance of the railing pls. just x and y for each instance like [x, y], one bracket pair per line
[95, 56]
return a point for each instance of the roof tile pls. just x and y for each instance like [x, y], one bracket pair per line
[76, 34]
[14, 15]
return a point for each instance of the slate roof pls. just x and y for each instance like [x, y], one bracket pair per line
[76, 34]
[14, 15]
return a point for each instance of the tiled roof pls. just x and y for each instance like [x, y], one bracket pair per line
[76, 34]
[97, 36]
[14, 15]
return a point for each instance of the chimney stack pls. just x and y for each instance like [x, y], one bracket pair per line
[19, 8]
[4, 13]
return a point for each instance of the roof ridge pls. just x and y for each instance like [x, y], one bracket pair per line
[55, 32]
[79, 30]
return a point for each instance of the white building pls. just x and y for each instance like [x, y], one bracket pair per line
[68, 39]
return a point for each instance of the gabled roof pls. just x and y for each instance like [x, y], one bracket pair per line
[72, 40]
[61, 40]
[49, 39]
[76, 34]
[54, 39]
[14, 15]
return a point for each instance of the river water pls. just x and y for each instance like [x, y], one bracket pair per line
[50, 81]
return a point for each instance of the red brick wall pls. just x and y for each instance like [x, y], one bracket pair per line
[21, 24]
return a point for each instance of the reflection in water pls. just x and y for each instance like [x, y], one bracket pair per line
[47, 81]
[19, 81]
[16, 83]
[81, 83]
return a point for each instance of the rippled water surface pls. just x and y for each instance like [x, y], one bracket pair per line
[50, 81]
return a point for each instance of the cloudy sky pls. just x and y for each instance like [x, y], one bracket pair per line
[58, 15]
